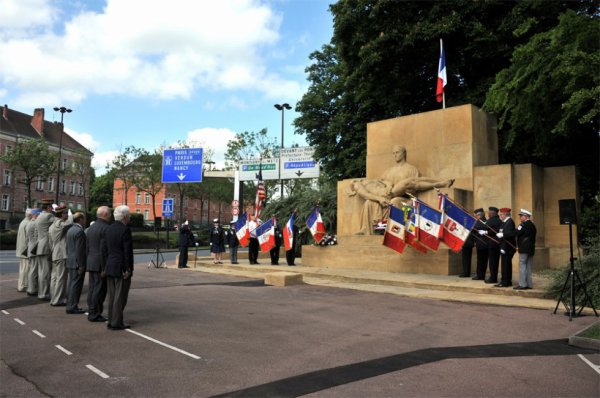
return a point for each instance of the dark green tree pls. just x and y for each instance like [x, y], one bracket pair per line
[101, 191]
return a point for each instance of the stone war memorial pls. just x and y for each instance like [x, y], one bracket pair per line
[454, 150]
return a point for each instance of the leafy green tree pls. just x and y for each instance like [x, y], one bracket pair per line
[101, 191]
[33, 160]
[147, 173]
[81, 169]
[121, 168]
[548, 100]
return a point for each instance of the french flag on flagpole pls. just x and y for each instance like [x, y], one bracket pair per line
[288, 233]
[457, 224]
[412, 232]
[315, 225]
[242, 231]
[441, 80]
[429, 221]
[265, 233]
[395, 230]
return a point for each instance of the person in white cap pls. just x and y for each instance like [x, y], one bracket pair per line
[526, 234]
[217, 241]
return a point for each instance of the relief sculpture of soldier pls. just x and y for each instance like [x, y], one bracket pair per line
[396, 182]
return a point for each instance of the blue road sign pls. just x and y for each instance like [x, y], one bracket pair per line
[167, 210]
[182, 165]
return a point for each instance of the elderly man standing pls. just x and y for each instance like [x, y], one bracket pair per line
[76, 260]
[96, 264]
[118, 243]
[22, 252]
[526, 235]
[508, 246]
[43, 223]
[32, 242]
[58, 242]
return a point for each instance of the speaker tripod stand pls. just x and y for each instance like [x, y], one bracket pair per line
[571, 306]
[158, 261]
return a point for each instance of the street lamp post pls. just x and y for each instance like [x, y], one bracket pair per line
[282, 108]
[62, 111]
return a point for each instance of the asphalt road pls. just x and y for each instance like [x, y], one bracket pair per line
[197, 334]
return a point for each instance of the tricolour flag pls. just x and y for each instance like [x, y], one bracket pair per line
[265, 233]
[428, 223]
[395, 230]
[261, 194]
[315, 225]
[242, 231]
[412, 232]
[457, 224]
[288, 233]
[441, 80]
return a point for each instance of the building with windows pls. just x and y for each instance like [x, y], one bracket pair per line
[75, 166]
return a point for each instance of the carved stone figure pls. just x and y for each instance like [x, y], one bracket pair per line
[396, 182]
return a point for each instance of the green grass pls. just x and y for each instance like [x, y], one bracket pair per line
[593, 332]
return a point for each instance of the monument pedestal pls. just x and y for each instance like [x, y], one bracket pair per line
[368, 253]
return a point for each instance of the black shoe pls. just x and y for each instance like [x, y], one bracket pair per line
[99, 318]
[120, 327]
[256, 262]
[528, 287]
[491, 281]
[32, 294]
[463, 276]
[519, 288]
[59, 305]
[274, 263]
[235, 263]
[77, 311]
[501, 285]
[45, 298]
[476, 278]
[291, 265]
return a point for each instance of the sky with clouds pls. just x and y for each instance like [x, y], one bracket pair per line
[154, 72]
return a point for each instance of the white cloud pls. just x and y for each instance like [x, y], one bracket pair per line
[140, 48]
[101, 159]
[215, 139]
[84, 139]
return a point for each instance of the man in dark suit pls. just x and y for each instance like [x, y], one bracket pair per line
[526, 235]
[118, 244]
[494, 224]
[481, 245]
[76, 260]
[274, 252]
[184, 241]
[96, 263]
[290, 255]
[508, 244]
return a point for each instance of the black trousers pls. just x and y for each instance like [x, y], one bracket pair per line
[274, 253]
[183, 256]
[482, 262]
[507, 268]
[290, 256]
[494, 260]
[467, 255]
[96, 294]
[253, 251]
[75, 285]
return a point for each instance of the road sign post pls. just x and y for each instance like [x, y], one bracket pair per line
[182, 165]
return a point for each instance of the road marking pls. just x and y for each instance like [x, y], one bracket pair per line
[63, 349]
[5, 312]
[97, 371]
[163, 344]
[595, 367]
[20, 322]
[39, 334]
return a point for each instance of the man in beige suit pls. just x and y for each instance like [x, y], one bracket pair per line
[22, 253]
[58, 233]
[32, 241]
[43, 249]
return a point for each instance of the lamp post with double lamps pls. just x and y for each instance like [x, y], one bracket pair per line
[62, 111]
[282, 108]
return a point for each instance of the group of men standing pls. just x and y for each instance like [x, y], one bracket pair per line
[56, 251]
[496, 240]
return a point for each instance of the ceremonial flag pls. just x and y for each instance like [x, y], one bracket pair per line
[315, 224]
[428, 223]
[411, 233]
[242, 231]
[441, 80]
[261, 194]
[265, 233]
[395, 230]
[288, 233]
[457, 224]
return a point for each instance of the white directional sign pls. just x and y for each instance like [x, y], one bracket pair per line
[249, 169]
[182, 165]
[298, 163]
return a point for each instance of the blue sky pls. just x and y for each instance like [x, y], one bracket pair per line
[152, 72]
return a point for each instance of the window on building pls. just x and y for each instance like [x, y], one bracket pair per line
[146, 214]
[147, 199]
[71, 205]
[7, 149]
[138, 211]
[39, 185]
[64, 164]
[5, 202]
[63, 186]
[79, 206]
[72, 190]
[81, 189]
[6, 178]
[138, 198]
[51, 184]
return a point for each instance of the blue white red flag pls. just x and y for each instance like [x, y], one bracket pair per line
[412, 232]
[288, 233]
[456, 223]
[265, 233]
[395, 230]
[428, 223]
[441, 80]
[242, 231]
[315, 225]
